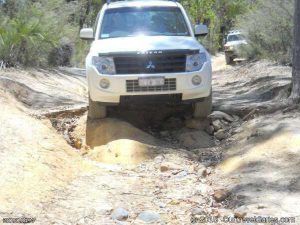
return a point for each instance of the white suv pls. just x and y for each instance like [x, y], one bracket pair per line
[147, 50]
[233, 42]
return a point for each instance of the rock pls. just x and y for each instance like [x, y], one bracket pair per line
[61, 56]
[216, 204]
[192, 169]
[220, 195]
[196, 124]
[206, 172]
[174, 202]
[221, 135]
[235, 124]
[164, 168]
[195, 139]
[224, 122]
[217, 125]
[203, 189]
[238, 130]
[198, 211]
[78, 144]
[67, 138]
[119, 214]
[203, 180]
[210, 130]
[236, 118]
[149, 216]
[181, 175]
[261, 206]
[162, 205]
[240, 212]
[225, 212]
[221, 115]
[159, 159]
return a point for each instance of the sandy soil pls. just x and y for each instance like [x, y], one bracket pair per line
[35, 160]
[62, 169]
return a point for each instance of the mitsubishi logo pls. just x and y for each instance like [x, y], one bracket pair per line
[150, 66]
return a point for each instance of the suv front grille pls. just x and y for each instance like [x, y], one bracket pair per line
[146, 64]
[133, 86]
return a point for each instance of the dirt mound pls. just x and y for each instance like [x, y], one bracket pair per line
[122, 151]
[114, 141]
[258, 85]
[34, 161]
[263, 167]
[40, 90]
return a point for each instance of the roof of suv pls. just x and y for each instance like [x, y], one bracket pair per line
[234, 32]
[138, 3]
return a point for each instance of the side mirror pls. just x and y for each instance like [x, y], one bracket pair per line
[87, 34]
[201, 30]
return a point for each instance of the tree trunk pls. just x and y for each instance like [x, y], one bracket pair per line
[295, 95]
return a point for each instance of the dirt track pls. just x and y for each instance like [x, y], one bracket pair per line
[62, 169]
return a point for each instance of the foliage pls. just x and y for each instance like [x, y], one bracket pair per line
[88, 11]
[30, 29]
[269, 30]
[22, 41]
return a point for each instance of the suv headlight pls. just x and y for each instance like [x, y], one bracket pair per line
[195, 62]
[229, 48]
[104, 65]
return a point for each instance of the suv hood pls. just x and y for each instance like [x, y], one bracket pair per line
[236, 43]
[145, 43]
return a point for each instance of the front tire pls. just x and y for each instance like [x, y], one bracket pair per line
[229, 60]
[96, 110]
[204, 108]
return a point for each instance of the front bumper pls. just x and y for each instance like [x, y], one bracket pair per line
[117, 89]
[231, 53]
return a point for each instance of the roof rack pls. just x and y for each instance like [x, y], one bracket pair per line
[110, 1]
[234, 31]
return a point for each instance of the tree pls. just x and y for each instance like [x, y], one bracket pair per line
[257, 25]
[295, 95]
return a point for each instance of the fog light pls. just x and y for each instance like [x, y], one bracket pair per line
[196, 80]
[104, 83]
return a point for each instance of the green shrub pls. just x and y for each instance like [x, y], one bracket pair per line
[30, 31]
[23, 41]
[269, 30]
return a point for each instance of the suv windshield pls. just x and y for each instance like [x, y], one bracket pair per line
[149, 21]
[235, 37]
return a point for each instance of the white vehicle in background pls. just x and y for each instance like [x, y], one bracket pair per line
[233, 42]
[148, 51]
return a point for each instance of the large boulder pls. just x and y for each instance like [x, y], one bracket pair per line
[61, 55]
